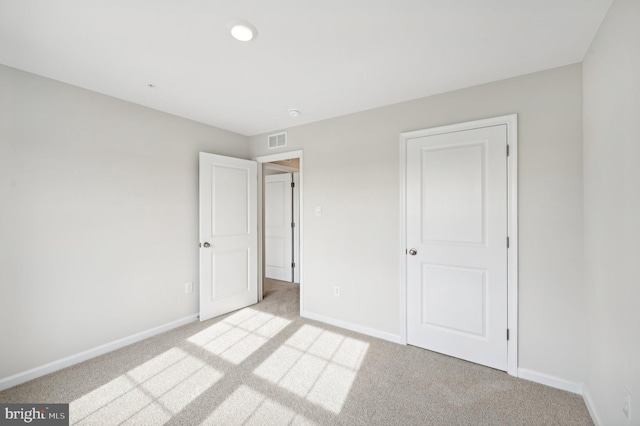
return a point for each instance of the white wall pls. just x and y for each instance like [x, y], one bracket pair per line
[99, 218]
[612, 212]
[351, 168]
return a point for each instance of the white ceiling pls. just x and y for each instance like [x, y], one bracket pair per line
[325, 57]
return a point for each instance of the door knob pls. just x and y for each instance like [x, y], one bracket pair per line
[413, 252]
[206, 245]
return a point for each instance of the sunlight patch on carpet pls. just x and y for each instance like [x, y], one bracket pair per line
[154, 391]
[246, 406]
[317, 365]
[238, 336]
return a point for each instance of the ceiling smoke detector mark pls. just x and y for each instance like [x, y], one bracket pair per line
[277, 140]
[294, 112]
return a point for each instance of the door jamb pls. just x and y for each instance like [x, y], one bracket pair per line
[511, 121]
[268, 159]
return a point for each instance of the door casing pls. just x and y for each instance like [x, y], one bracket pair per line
[511, 121]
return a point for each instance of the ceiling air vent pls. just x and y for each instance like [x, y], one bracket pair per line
[278, 140]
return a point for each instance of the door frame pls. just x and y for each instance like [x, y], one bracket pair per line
[268, 159]
[511, 121]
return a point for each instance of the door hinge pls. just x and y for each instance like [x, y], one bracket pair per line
[507, 150]
[507, 242]
[293, 185]
[507, 334]
[293, 224]
[293, 265]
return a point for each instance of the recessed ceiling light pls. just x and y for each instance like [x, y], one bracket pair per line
[243, 31]
[294, 112]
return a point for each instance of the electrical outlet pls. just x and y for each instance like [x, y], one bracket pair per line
[336, 291]
[188, 288]
[626, 405]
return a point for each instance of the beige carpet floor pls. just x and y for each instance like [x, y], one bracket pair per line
[265, 365]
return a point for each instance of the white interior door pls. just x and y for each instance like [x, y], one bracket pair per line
[457, 241]
[228, 234]
[278, 217]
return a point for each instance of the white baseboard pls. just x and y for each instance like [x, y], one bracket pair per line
[590, 406]
[549, 380]
[34, 373]
[353, 327]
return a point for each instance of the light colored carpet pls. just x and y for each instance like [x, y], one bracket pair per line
[265, 365]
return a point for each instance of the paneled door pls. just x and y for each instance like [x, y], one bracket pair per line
[228, 234]
[457, 244]
[278, 219]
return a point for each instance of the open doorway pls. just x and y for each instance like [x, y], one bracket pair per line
[280, 220]
[281, 217]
